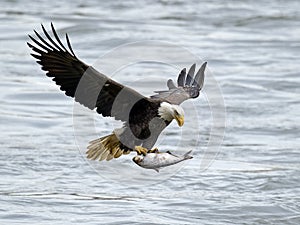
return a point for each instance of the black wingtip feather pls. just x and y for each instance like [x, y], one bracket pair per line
[190, 75]
[199, 78]
[43, 47]
[50, 45]
[29, 45]
[57, 38]
[50, 39]
[69, 45]
[43, 40]
[36, 49]
[36, 56]
[181, 78]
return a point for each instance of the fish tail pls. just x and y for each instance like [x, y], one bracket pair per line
[187, 155]
[107, 147]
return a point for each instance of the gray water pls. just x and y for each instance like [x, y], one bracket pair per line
[252, 48]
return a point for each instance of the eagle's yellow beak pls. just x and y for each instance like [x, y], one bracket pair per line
[180, 120]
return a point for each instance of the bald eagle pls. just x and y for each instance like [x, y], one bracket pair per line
[144, 118]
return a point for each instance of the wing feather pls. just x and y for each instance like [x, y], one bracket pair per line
[80, 81]
[188, 86]
[190, 75]
[199, 78]
[181, 78]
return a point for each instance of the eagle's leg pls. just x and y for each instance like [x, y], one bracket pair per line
[141, 150]
[154, 150]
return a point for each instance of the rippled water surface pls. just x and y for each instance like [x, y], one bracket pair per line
[253, 51]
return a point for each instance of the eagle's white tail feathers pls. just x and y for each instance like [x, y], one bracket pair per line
[107, 147]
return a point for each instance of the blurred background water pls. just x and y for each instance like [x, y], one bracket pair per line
[253, 51]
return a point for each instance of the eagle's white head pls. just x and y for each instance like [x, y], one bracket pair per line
[169, 112]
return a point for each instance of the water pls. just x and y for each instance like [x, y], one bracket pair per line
[253, 52]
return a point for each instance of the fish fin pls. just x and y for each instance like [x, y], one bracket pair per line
[156, 169]
[171, 153]
[187, 155]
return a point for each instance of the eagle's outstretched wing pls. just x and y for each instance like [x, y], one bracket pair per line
[88, 86]
[188, 86]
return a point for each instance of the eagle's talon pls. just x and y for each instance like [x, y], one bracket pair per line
[141, 150]
[154, 150]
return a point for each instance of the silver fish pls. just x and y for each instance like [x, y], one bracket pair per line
[159, 159]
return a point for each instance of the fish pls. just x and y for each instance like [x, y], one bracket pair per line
[158, 160]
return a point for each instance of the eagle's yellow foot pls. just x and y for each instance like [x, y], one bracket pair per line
[141, 150]
[154, 150]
